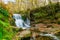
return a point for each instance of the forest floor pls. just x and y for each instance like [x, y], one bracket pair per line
[49, 28]
[43, 28]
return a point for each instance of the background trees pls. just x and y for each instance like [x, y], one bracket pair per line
[49, 12]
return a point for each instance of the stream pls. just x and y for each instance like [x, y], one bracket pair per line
[50, 35]
[20, 23]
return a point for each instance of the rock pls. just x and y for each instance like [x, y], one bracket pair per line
[25, 33]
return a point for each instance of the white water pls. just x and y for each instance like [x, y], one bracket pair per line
[26, 24]
[20, 23]
[50, 35]
[46, 35]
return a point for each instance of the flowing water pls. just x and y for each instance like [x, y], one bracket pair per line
[50, 35]
[45, 37]
[20, 23]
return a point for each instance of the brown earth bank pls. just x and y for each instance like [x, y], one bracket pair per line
[48, 28]
[36, 30]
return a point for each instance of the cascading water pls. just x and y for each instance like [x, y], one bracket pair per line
[27, 21]
[26, 24]
[50, 35]
[20, 23]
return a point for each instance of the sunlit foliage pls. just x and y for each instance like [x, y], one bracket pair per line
[6, 31]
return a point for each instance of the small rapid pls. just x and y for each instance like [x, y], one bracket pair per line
[50, 35]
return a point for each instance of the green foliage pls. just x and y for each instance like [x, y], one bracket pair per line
[58, 15]
[6, 31]
[1, 33]
[4, 12]
[48, 12]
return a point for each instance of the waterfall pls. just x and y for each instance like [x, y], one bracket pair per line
[27, 21]
[20, 23]
[50, 35]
